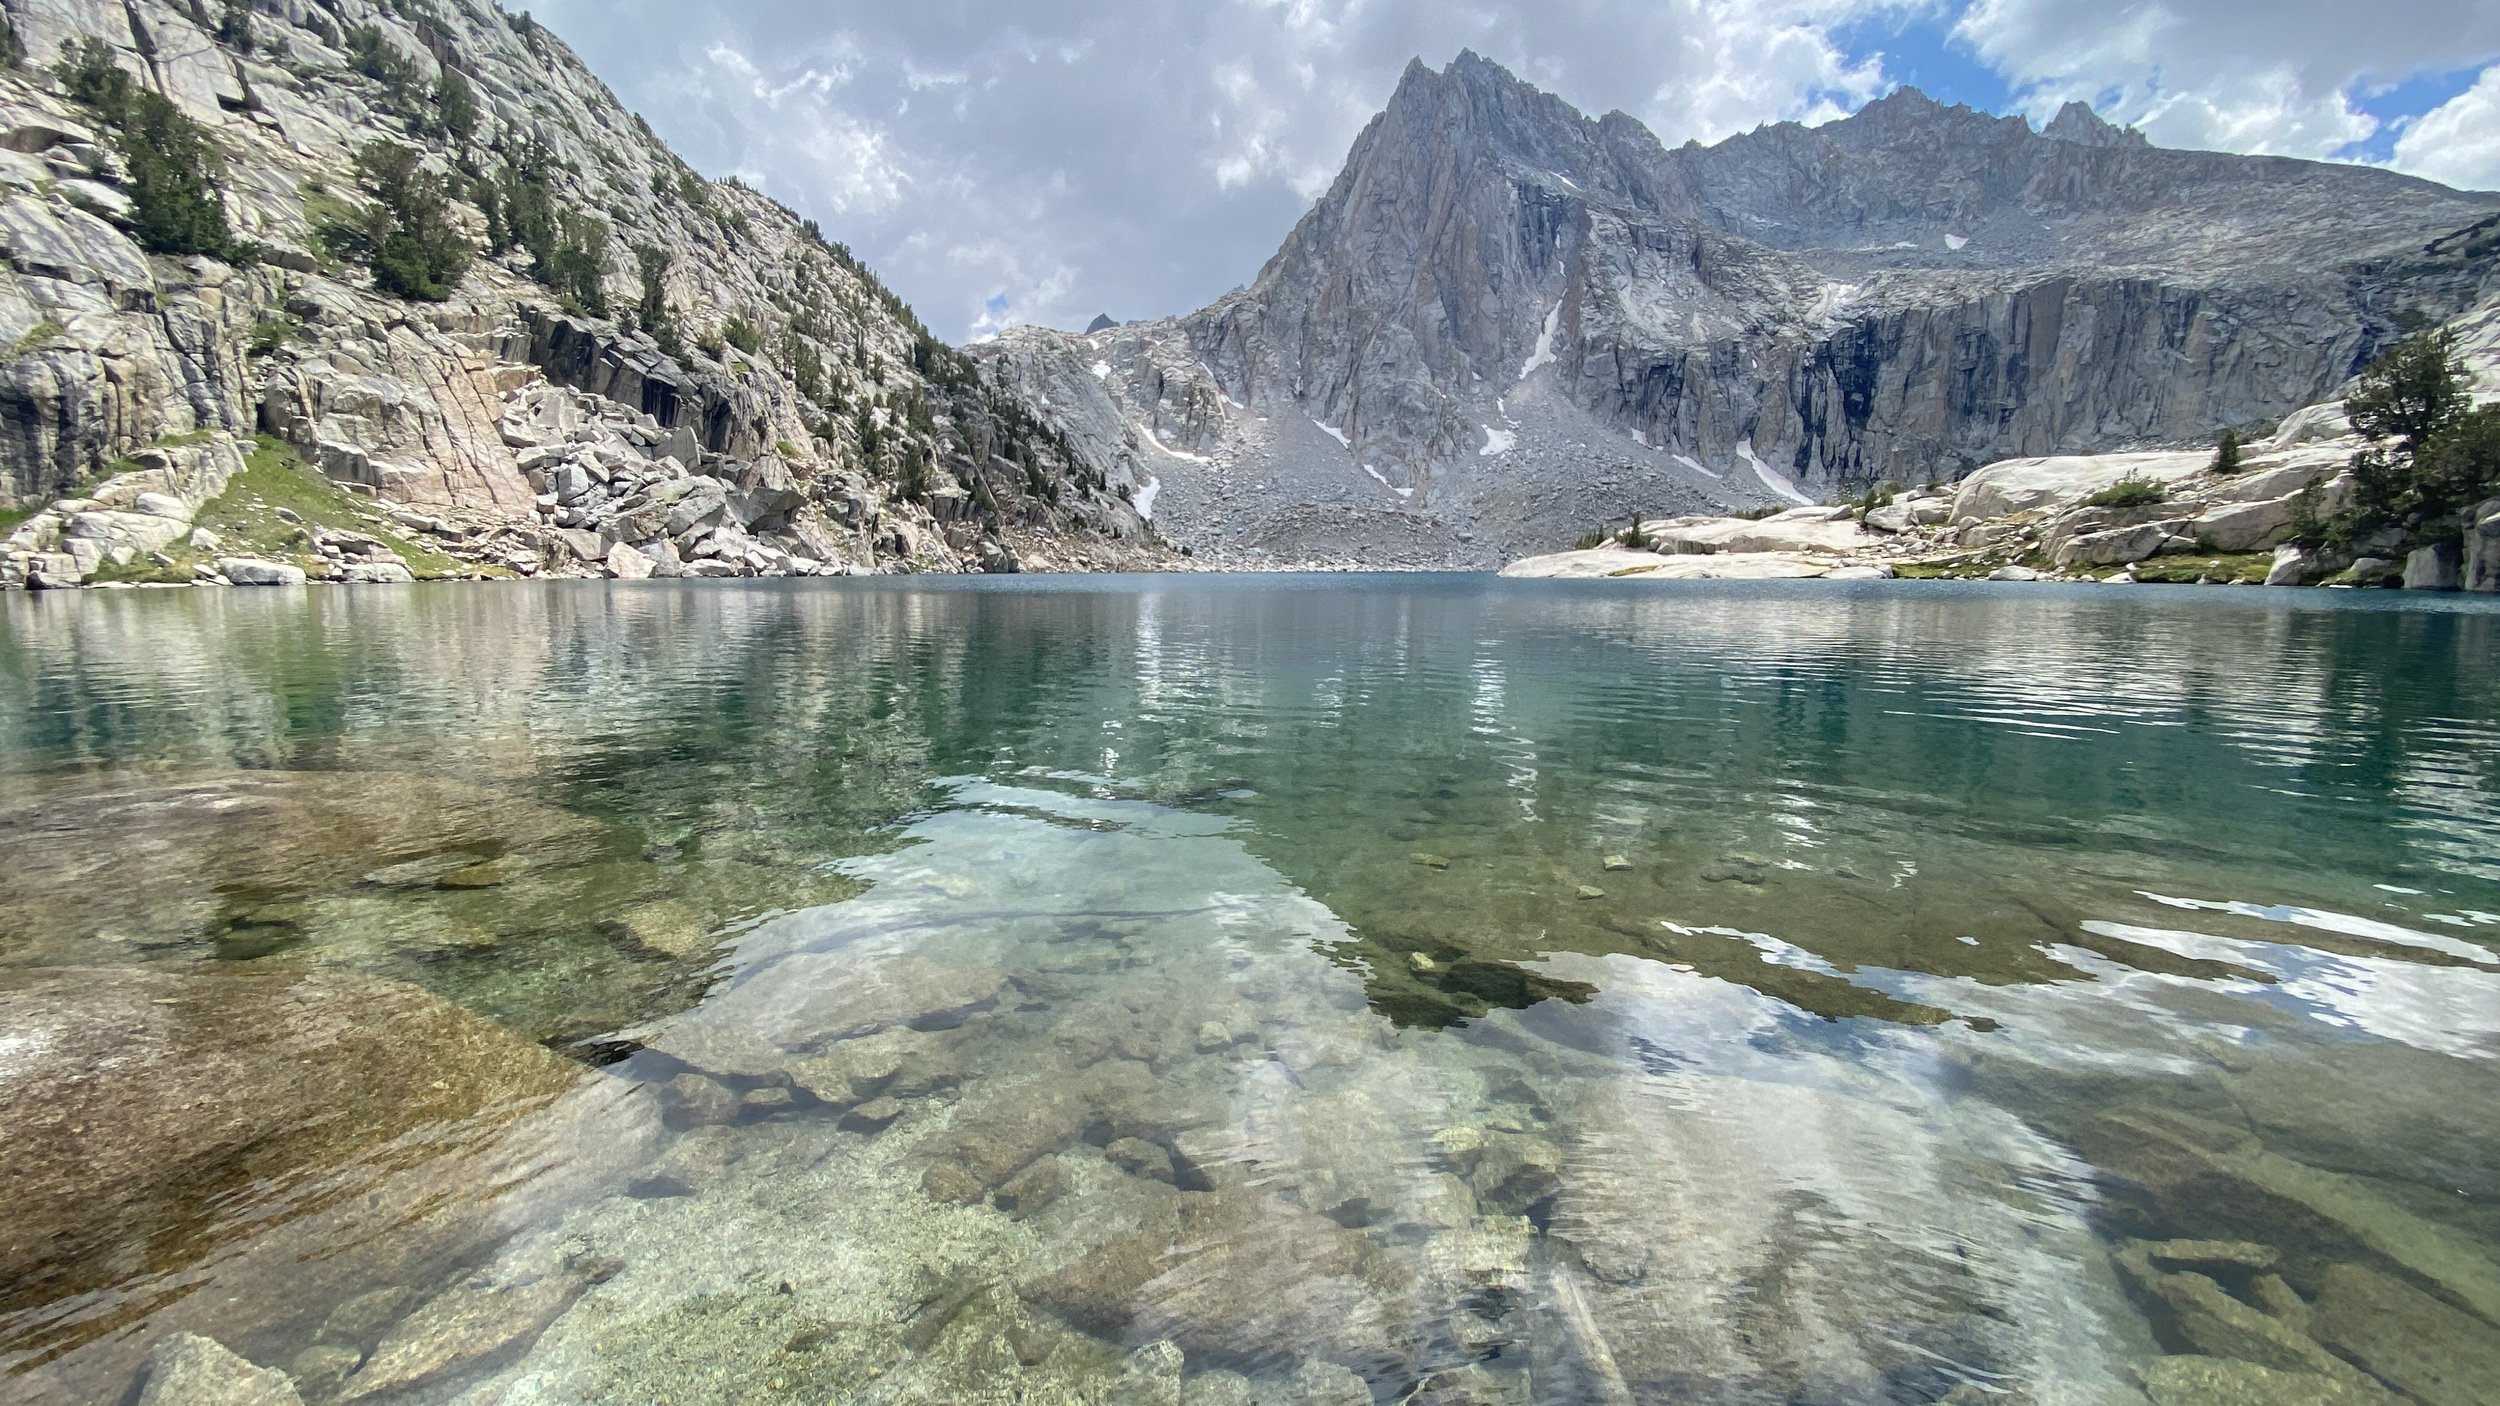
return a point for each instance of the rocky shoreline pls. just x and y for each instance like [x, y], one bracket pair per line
[2111, 519]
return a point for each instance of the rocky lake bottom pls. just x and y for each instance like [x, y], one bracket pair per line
[1249, 990]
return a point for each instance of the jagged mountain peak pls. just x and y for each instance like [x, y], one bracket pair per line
[1506, 323]
[2077, 123]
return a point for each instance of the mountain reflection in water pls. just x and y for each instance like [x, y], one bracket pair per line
[1251, 990]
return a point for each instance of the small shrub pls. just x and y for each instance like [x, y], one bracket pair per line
[174, 174]
[377, 58]
[1633, 537]
[742, 334]
[455, 107]
[652, 312]
[2133, 491]
[90, 75]
[2227, 453]
[270, 334]
[1590, 541]
[1767, 510]
[408, 237]
[174, 167]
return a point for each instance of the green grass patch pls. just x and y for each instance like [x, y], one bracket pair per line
[10, 518]
[1942, 570]
[2188, 570]
[36, 337]
[245, 519]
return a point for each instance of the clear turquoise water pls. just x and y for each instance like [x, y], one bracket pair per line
[1264, 988]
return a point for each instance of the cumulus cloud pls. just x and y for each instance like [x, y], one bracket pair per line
[1050, 160]
[2458, 142]
[2229, 75]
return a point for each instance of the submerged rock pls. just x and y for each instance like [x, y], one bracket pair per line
[2239, 1187]
[189, 1370]
[463, 1327]
[810, 1001]
[277, 1141]
[2219, 1381]
[143, 1097]
[130, 858]
[2221, 1326]
[667, 928]
[1239, 1277]
[2415, 1343]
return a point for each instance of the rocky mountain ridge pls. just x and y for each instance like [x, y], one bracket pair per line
[1506, 320]
[638, 370]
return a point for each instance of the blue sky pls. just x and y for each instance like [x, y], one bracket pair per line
[1052, 159]
[1918, 51]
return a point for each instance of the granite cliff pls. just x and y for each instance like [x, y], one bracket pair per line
[1507, 322]
[627, 369]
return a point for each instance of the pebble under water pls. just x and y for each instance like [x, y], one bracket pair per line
[1249, 990]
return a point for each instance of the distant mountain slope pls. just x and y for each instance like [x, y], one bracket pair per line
[1506, 322]
[617, 312]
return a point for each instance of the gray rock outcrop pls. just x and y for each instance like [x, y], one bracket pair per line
[1507, 323]
[715, 331]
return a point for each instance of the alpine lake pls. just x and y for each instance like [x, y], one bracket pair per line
[1297, 989]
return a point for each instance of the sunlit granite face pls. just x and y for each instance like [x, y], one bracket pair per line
[1239, 990]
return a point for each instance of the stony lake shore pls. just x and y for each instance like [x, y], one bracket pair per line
[214, 510]
[2052, 519]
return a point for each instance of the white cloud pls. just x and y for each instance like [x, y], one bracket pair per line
[2228, 75]
[1139, 157]
[2458, 142]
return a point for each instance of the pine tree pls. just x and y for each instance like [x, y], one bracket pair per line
[455, 106]
[174, 171]
[2227, 453]
[2412, 393]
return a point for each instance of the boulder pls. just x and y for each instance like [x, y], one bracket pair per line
[185, 1369]
[811, 1001]
[2293, 566]
[161, 860]
[2480, 568]
[2245, 527]
[2437, 567]
[2222, 1326]
[2422, 1347]
[2019, 485]
[1799, 530]
[252, 571]
[2123, 545]
[148, 1106]
[2223, 1381]
[626, 564]
[2317, 1217]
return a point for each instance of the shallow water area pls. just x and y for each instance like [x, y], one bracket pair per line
[1250, 990]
